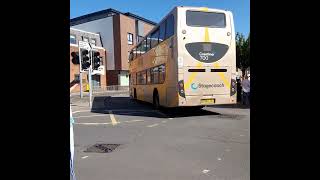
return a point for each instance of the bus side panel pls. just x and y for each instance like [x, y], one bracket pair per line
[233, 57]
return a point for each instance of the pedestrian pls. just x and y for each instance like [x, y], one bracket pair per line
[246, 90]
[73, 85]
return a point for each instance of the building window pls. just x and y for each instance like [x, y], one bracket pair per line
[130, 38]
[93, 42]
[85, 39]
[73, 39]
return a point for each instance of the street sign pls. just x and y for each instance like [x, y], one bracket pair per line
[100, 71]
[85, 45]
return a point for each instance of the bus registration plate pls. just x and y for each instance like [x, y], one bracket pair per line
[207, 101]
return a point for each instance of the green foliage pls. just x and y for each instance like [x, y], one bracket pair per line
[242, 51]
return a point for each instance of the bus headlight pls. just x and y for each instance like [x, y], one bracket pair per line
[181, 88]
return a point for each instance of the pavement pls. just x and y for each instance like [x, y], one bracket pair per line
[171, 144]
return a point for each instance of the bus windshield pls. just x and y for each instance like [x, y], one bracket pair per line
[206, 19]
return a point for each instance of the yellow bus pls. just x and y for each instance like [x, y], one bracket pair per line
[188, 59]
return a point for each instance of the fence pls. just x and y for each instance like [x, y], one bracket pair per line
[97, 89]
[105, 90]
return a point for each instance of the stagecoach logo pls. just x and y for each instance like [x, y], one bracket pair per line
[206, 86]
[194, 86]
[204, 56]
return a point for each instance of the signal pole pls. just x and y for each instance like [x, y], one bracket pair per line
[80, 73]
[85, 65]
[90, 81]
[80, 76]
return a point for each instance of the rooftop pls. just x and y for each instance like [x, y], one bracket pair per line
[105, 13]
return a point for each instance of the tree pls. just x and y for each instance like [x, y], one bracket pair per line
[242, 51]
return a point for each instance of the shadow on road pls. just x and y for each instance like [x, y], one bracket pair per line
[129, 107]
[238, 106]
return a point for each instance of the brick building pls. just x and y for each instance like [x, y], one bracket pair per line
[94, 39]
[119, 32]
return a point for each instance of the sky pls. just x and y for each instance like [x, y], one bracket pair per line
[155, 10]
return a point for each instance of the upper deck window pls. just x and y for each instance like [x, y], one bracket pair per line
[206, 19]
[73, 39]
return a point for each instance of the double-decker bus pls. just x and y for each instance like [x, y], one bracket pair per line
[188, 59]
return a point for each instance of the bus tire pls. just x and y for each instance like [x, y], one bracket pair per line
[197, 108]
[134, 94]
[156, 103]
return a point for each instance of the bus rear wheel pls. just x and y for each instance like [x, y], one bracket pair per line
[156, 103]
[135, 94]
[196, 108]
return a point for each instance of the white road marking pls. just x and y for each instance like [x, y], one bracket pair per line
[241, 135]
[163, 121]
[84, 157]
[90, 116]
[153, 125]
[219, 159]
[205, 171]
[133, 121]
[170, 118]
[80, 111]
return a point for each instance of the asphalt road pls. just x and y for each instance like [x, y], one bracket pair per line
[184, 144]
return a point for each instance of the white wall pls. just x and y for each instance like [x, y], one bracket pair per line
[123, 78]
[105, 28]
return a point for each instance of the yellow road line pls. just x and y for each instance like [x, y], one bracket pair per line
[113, 119]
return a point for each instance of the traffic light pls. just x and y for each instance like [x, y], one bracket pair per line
[96, 60]
[85, 60]
[75, 57]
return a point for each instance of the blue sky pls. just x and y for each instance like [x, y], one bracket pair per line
[155, 10]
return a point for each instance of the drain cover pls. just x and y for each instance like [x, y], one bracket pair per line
[102, 148]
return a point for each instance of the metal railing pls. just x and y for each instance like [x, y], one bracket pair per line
[97, 89]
